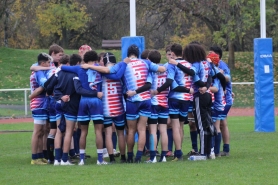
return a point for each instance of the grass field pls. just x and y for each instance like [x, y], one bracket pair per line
[253, 160]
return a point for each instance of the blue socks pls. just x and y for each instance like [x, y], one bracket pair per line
[100, 155]
[139, 155]
[72, 152]
[217, 143]
[35, 156]
[226, 147]
[194, 138]
[40, 155]
[147, 145]
[170, 139]
[163, 154]
[130, 155]
[178, 153]
[58, 152]
[65, 157]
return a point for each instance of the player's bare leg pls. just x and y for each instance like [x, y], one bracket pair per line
[132, 128]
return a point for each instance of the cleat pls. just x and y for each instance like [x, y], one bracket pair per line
[67, 163]
[129, 161]
[177, 159]
[56, 163]
[192, 152]
[81, 162]
[112, 162]
[105, 155]
[50, 162]
[116, 153]
[225, 153]
[137, 161]
[43, 160]
[123, 161]
[163, 159]
[218, 155]
[212, 156]
[37, 161]
[102, 163]
[151, 161]
[169, 154]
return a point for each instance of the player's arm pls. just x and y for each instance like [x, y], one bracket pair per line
[154, 67]
[36, 92]
[50, 84]
[169, 79]
[119, 69]
[39, 68]
[182, 89]
[72, 69]
[184, 69]
[215, 73]
[215, 87]
[147, 86]
[80, 90]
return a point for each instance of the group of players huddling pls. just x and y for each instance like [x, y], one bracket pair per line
[133, 96]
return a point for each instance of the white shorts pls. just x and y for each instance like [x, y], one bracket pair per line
[39, 122]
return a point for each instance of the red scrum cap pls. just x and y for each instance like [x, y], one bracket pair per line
[214, 58]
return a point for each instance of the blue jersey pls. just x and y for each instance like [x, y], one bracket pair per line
[181, 79]
[94, 79]
[202, 71]
[228, 95]
[219, 96]
[136, 75]
[158, 80]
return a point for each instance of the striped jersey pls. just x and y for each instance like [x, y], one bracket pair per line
[112, 99]
[158, 80]
[37, 79]
[181, 78]
[136, 75]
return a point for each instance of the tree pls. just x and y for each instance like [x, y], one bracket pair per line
[60, 18]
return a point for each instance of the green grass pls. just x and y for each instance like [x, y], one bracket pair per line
[253, 161]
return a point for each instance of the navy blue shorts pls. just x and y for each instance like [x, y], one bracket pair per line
[90, 108]
[60, 112]
[226, 110]
[52, 109]
[216, 115]
[178, 107]
[138, 108]
[119, 121]
[40, 114]
[190, 108]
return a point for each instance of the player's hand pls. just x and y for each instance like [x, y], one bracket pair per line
[209, 60]
[173, 61]
[154, 92]
[233, 95]
[65, 98]
[130, 93]
[85, 66]
[202, 90]
[191, 91]
[99, 95]
[30, 97]
[221, 71]
[127, 60]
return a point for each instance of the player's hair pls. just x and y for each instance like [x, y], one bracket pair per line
[216, 50]
[64, 59]
[177, 49]
[194, 53]
[74, 59]
[145, 53]
[54, 48]
[43, 57]
[195, 42]
[90, 56]
[100, 56]
[154, 56]
[168, 48]
[109, 58]
[133, 50]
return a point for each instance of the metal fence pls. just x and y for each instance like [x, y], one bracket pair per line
[15, 102]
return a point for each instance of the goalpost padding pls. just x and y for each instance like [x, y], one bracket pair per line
[264, 87]
[127, 41]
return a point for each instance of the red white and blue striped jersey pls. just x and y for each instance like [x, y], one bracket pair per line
[158, 80]
[112, 99]
[136, 75]
[37, 79]
[181, 78]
